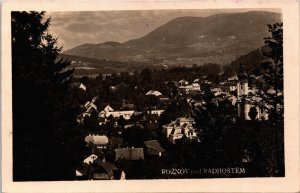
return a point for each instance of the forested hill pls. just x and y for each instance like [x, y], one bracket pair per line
[217, 38]
[251, 61]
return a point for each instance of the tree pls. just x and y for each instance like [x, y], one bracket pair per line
[275, 69]
[121, 121]
[252, 113]
[135, 136]
[274, 79]
[41, 97]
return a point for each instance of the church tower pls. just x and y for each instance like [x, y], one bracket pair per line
[242, 89]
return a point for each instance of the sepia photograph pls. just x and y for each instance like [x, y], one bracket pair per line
[148, 94]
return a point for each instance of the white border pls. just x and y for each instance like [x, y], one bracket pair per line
[290, 183]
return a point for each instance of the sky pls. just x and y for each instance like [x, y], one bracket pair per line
[76, 28]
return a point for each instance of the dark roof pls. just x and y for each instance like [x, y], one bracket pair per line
[100, 176]
[130, 153]
[184, 125]
[83, 168]
[107, 166]
[154, 144]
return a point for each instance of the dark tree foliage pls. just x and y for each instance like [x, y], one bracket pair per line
[252, 113]
[274, 79]
[135, 136]
[91, 123]
[41, 101]
[275, 68]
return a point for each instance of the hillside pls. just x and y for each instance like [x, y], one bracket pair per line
[218, 38]
[251, 61]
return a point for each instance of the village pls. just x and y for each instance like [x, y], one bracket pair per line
[122, 138]
[194, 97]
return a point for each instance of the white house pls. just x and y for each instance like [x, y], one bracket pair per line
[190, 87]
[108, 109]
[82, 86]
[180, 127]
[183, 82]
[153, 93]
[98, 140]
[156, 112]
[89, 160]
[196, 86]
[116, 114]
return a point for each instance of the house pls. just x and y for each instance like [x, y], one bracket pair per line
[195, 86]
[155, 112]
[82, 86]
[206, 82]
[79, 85]
[90, 159]
[233, 78]
[89, 108]
[192, 87]
[109, 111]
[100, 141]
[95, 168]
[183, 82]
[154, 148]
[228, 87]
[129, 153]
[186, 88]
[103, 170]
[117, 114]
[180, 127]
[217, 91]
[153, 93]
[86, 105]
[99, 170]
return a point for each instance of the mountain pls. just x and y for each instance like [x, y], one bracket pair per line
[217, 38]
